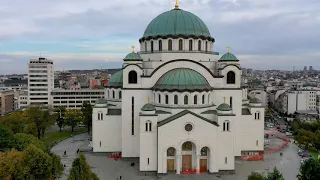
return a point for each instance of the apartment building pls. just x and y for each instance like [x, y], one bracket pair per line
[6, 101]
[73, 99]
[22, 99]
[40, 81]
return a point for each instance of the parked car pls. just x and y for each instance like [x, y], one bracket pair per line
[288, 133]
[305, 155]
[300, 151]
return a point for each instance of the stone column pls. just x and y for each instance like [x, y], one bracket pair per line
[198, 164]
[178, 162]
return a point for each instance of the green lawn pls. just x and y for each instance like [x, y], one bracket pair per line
[314, 154]
[51, 137]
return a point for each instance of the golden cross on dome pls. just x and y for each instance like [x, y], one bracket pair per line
[177, 4]
[132, 48]
[228, 49]
[148, 100]
[224, 99]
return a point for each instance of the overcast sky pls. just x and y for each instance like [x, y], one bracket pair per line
[87, 34]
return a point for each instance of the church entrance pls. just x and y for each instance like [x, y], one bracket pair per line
[203, 165]
[188, 161]
[171, 152]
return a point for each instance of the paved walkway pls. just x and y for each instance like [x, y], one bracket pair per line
[70, 145]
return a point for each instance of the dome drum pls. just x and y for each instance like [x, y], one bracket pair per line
[176, 37]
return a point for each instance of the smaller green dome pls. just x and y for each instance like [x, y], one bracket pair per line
[116, 80]
[255, 101]
[101, 101]
[224, 107]
[228, 57]
[133, 57]
[148, 107]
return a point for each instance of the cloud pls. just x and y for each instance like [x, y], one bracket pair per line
[258, 31]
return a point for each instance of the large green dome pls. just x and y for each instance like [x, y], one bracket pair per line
[182, 79]
[116, 80]
[177, 22]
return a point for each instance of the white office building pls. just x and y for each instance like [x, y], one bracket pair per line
[40, 81]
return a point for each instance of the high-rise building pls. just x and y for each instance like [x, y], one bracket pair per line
[6, 100]
[40, 81]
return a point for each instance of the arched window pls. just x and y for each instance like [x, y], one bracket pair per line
[226, 126]
[199, 45]
[170, 45]
[113, 95]
[171, 151]
[226, 160]
[209, 98]
[231, 102]
[195, 99]
[119, 94]
[203, 99]
[206, 46]
[180, 45]
[160, 45]
[159, 98]
[148, 126]
[175, 99]
[108, 95]
[133, 77]
[204, 151]
[257, 143]
[190, 45]
[185, 99]
[101, 116]
[257, 115]
[152, 46]
[167, 99]
[145, 46]
[231, 77]
[187, 146]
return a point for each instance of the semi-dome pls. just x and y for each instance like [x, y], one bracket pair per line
[182, 79]
[224, 107]
[148, 107]
[228, 57]
[133, 57]
[116, 80]
[255, 101]
[101, 101]
[177, 22]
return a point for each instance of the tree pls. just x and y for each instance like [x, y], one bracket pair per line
[10, 164]
[87, 114]
[80, 170]
[256, 176]
[305, 138]
[6, 138]
[309, 170]
[14, 122]
[57, 167]
[275, 175]
[31, 129]
[23, 140]
[36, 163]
[61, 110]
[73, 117]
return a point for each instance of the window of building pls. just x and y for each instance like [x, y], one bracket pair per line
[113, 95]
[185, 99]
[199, 45]
[101, 116]
[167, 99]
[195, 99]
[152, 46]
[209, 98]
[159, 98]
[132, 116]
[171, 151]
[231, 102]
[257, 142]
[231, 77]
[226, 126]
[148, 126]
[148, 160]
[133, 77]
[187, 146]
[108, 95]
[180, 45]
[257, 115]
[145, 46]
[100, 143]
[206, 46]
[190, 45]
[160, 45]
[175, 99]
[170, 45]
[203, 99]
[225, 160]
[120, 94]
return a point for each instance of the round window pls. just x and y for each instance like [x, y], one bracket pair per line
[188, 127]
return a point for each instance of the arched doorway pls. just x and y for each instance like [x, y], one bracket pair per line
[171, 152]
[204, 159]
[188, 157]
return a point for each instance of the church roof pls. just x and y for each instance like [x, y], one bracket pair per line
[133, 57]
[148, 107]
[224, 107]
[182, 113]
[101, 101]
[255, 101]
[182, 79]
[245, 111]
[116, 80]
[177, 22]
[228, 57]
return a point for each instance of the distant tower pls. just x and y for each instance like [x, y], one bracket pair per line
[305, 69]
[310, 69]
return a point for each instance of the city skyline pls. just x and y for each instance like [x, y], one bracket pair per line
[98, 34]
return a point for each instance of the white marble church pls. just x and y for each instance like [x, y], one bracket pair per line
[176, 105]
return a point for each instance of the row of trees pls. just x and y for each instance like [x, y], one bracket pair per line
[274, 175]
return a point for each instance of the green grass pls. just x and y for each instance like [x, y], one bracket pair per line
[52, 137]
[314, 154]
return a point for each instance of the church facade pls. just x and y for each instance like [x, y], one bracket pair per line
[178, 105]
